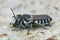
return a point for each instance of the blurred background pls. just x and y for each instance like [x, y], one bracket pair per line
[33, 7]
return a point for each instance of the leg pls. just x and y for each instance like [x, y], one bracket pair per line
[48, 24]
[28, 31]
[29, 28]
[43, 26]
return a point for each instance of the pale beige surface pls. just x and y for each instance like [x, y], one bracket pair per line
[49, 7]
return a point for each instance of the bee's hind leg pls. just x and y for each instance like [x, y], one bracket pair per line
[49, 24]
[42, 26]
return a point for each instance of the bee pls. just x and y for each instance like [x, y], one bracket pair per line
[30, 21]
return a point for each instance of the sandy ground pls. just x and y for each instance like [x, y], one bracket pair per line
[49, 7]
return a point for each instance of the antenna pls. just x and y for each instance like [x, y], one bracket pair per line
[13, 12]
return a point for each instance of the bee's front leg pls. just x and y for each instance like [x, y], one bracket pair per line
[28, 31]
